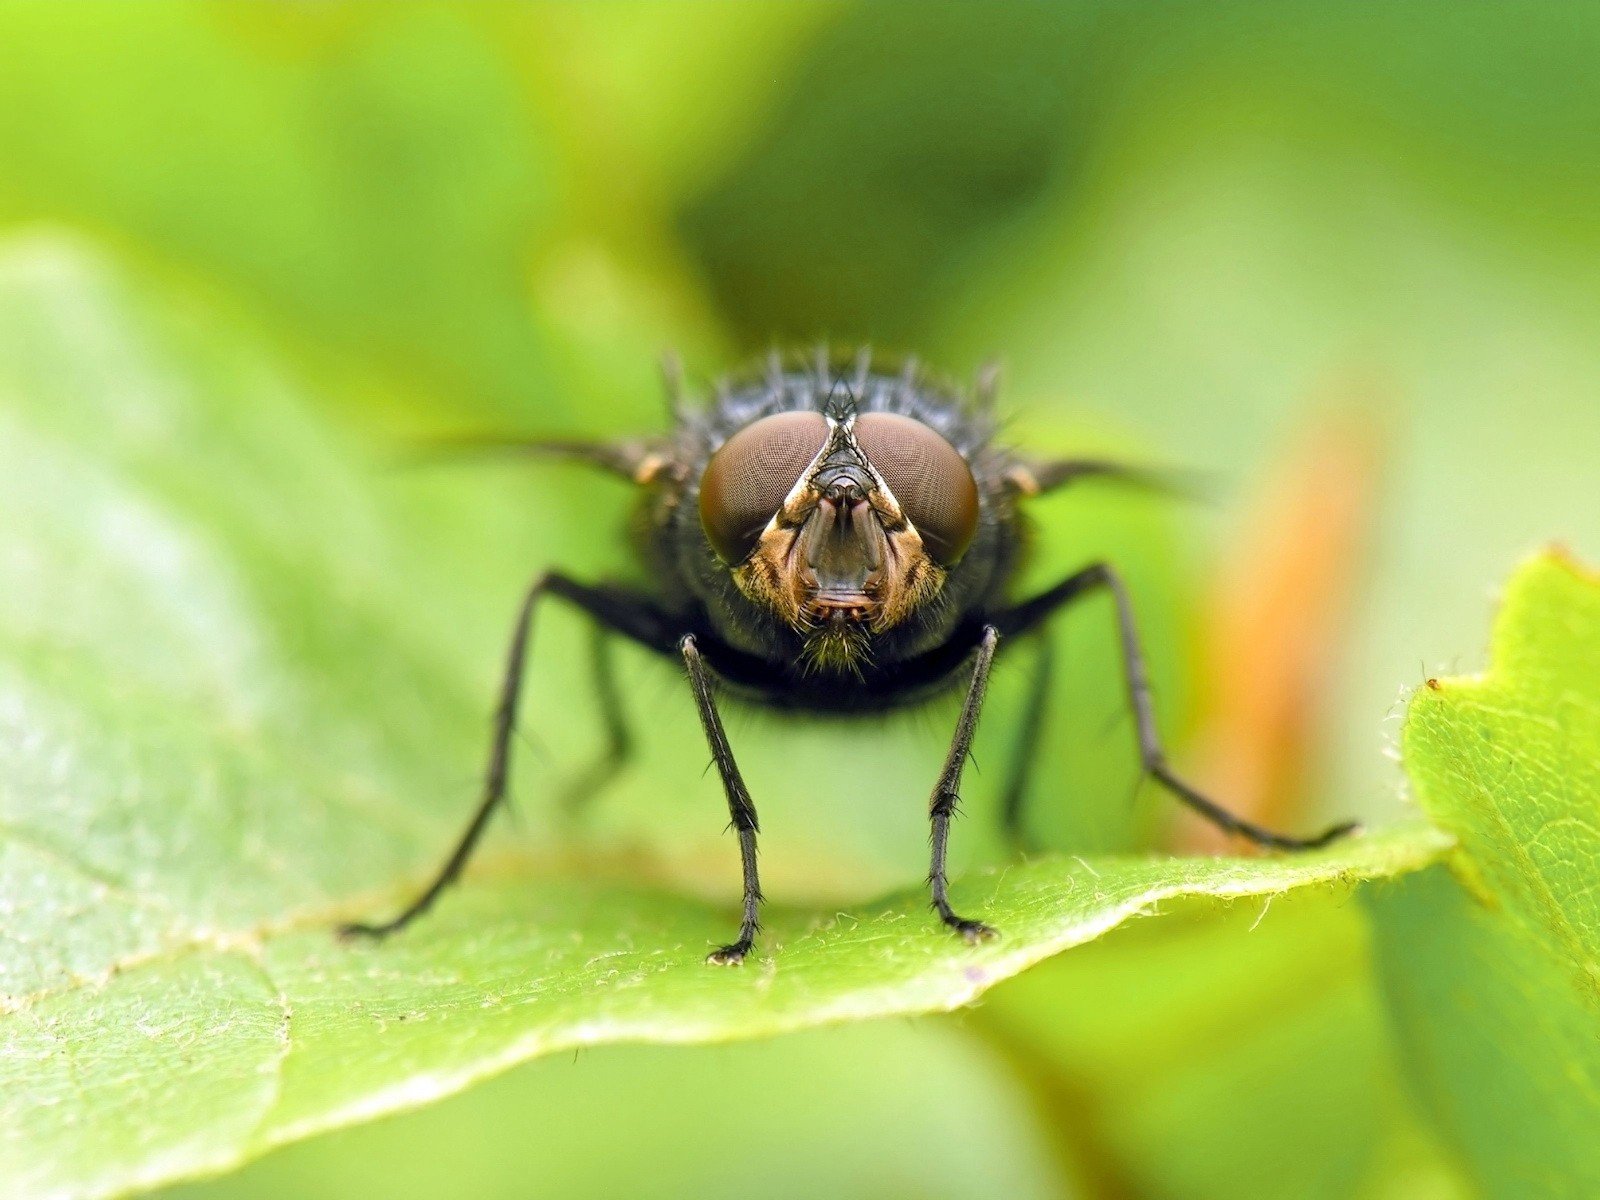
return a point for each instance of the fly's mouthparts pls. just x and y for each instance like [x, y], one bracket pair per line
[837, 607]
[839, 555]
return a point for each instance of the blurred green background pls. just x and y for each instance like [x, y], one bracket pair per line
[1191, 232]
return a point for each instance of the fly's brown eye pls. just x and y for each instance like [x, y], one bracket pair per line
[928, 477]
[751, 474]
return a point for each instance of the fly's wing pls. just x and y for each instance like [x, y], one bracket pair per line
[639, 460]
[1036, 476]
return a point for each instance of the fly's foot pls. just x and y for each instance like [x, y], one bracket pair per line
[1281, 841]
[974, 932]
[969, 931]
[731, 955]
[357, 930]
[1333, 833]
[1230, 823]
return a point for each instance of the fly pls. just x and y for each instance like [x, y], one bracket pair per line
[836, 540]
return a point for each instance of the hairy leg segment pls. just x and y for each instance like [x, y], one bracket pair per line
[1028, 617]
[1152, 755]
[741, 811]
[615, 611]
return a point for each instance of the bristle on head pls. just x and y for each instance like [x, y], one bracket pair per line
[671, 367]
[863, 369]
[986, 387]
[824, 366]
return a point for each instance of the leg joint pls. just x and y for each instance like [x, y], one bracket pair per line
[945, 804]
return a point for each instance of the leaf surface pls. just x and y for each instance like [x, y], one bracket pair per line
[242, 682]
[1492, 966]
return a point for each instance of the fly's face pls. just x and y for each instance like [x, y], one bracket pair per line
[842, 525]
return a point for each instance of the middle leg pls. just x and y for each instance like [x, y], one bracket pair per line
[1026, 749]
[947, 793]
[617, 750]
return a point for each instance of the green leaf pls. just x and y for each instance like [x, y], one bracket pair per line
[811, 1114]
[389, 181]
[1176, 1054]
[1493, 965]
[243, 680]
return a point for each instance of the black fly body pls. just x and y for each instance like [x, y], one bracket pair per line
[830, 538]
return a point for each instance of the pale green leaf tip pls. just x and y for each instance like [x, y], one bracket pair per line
[1543, 578]
[1546, 629]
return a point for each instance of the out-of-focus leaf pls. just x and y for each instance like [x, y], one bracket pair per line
[240, 682]
[1237, 1053]
[381, 179]
[1492, 966]
[1278, 615]
[865, 1111]
[1236, 244]
[657, 97]
[907, 137]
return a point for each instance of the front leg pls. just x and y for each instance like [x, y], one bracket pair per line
[740, 808]
[620, 612]
[947, 792]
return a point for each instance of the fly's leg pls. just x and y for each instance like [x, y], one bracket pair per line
[741, 810]
[1031, 613]
[947, 793]
[618, 748]
[1027, 745]
[616, 611]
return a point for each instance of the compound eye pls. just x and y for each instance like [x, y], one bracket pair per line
[928, 477]
[750, 476]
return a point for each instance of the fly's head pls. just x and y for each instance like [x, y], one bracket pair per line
[842, 525]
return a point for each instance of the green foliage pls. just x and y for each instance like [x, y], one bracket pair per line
[1493, 960]
[228, 699]
[380, 179]
[808, 1113]
[302, 206]
[248, 251]
[1165, 1049]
